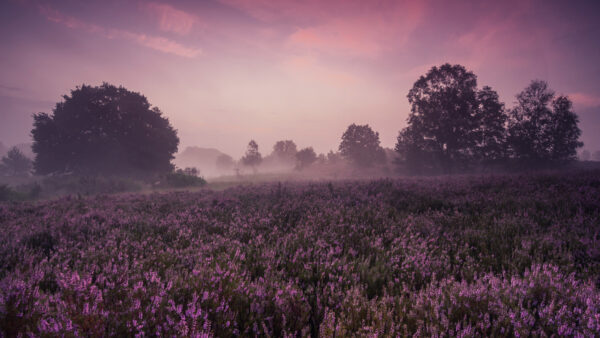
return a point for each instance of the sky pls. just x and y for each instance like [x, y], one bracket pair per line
[228, 71]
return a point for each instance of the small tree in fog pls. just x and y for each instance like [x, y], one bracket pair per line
[15, 163]
[104, 130]
[360, 145]
[542, 127]
[252, 158]
[305, 158]
[285, 151]
[596, 155]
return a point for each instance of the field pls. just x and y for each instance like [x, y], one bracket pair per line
[466, 256]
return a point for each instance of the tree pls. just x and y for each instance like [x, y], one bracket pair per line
[491, 131]
[596, 155]
[104, 130]
[252, 158]
[360, 145]
[443, 124]
[452, 124]
[15, 163]
[285, 151]
[543, 128]
[305, 158]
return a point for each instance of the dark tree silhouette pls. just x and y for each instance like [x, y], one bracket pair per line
[543, 128]
[452, 124]
[491, 132]
[443, 123]
[305, 158]
[252, 158]
[285, 151]
[360, 145]
[15, 163]
[104, 130]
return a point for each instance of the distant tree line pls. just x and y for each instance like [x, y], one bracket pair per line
[453, 126]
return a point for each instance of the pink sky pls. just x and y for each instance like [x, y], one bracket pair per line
[228, 71]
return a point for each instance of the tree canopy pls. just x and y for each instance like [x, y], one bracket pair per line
[285, 151]
[305, 158]
[252, 158]
[444, 121]
[103, 130]
[453, 125]
[542, 127]
[360, 145]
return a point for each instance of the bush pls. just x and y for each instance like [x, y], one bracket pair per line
[182, 178]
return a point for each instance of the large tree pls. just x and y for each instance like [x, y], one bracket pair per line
[360, 145]
[452, 124]
[103, 130]
[442, 125]
[542, 127]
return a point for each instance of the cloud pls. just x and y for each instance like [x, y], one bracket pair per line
[341, 27]
[337, 37]
[171, 19]
[584, 100]
[154, 42]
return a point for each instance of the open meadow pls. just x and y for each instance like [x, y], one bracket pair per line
[471, 255]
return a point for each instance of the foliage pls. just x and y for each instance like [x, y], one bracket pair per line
[285, 151]
[181, 178]
[452, 124]
[15, 163]
[360, 145]
[542, 127]
[252, 158]
[103, 130]
[474, 256]
[490, 134]
[305, 158]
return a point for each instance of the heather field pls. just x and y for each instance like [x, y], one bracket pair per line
[465, 256]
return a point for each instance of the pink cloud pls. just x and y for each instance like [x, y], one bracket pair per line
[584, 100]
[172, 19]
[154, 42]
[338, 37]
[348, 27]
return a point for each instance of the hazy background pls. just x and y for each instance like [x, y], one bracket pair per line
[228, 71]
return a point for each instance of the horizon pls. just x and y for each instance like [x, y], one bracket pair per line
[225, 72]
